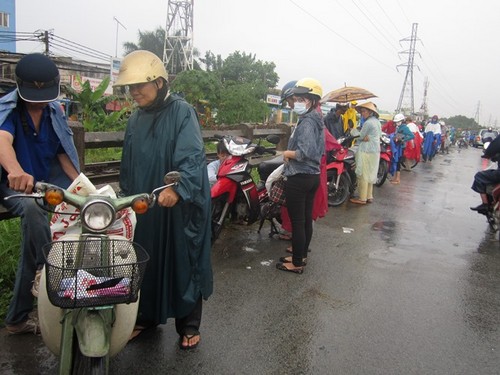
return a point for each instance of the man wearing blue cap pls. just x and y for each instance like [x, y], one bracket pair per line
[36, 144]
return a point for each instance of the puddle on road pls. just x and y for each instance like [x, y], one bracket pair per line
[387, 229]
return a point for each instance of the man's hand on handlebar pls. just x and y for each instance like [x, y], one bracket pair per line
[21, 182]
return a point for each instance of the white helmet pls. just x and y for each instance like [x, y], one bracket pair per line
[140, 66]
[399, 117]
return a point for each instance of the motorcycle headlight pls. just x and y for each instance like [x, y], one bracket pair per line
[98, 215]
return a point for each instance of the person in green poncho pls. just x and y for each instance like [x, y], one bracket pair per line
[164, 135]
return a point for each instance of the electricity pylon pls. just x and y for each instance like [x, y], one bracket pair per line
[424, 111]
[178, 48]
[407, 90]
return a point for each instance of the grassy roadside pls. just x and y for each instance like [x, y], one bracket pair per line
[10, 239]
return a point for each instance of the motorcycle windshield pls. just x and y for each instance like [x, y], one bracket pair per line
[239, 149]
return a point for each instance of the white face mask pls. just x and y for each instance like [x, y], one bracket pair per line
[300, 108]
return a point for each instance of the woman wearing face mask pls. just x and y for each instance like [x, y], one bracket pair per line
[302, 170]
[368, 154]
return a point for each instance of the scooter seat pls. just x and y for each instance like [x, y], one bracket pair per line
[268, 166]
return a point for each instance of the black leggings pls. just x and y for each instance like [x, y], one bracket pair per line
[300, 190]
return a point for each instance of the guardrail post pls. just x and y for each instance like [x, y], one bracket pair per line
[287, 129]
[247, 130]
[79, 139]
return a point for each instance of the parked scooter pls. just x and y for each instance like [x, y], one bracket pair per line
[235, 193]
[89, 289]
[385, 159]
[341, 176]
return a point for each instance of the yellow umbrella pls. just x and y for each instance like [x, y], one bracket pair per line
[347, 94]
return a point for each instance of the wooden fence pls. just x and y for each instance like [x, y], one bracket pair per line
[108, 171]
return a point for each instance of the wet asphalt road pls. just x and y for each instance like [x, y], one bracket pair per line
[413, 289]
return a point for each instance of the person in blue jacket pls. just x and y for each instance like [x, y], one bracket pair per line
[402, 135]
[36, 144]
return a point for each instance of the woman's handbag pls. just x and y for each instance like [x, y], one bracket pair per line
[277, 192]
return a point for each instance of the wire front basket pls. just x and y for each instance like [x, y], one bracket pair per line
[96, 271]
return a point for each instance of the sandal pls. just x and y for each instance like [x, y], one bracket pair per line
[289, 260]
[369, 200]
[28, 326]
[357, 201]
[282, 267]
[188, 339]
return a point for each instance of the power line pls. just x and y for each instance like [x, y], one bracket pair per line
[340, 36]
[50, 39]
[340, 3]
[389, 18]
[374, 25]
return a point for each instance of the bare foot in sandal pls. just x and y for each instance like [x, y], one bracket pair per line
[187, 342]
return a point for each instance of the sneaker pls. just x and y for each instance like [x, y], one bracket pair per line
[28, 326]
[36, 283]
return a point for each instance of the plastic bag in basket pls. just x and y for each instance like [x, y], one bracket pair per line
[86, 285]
[66, 220]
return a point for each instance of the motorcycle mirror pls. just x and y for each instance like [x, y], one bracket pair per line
[172, 178]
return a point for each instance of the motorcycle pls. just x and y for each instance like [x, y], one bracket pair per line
[89, 288]
[492, 213]
[235, 192]
[385, 159]
[462, 143]
[340, 169]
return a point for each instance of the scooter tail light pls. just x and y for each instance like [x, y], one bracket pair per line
[140, 205]
[54, 196]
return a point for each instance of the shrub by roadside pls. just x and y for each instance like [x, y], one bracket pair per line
[10, 238]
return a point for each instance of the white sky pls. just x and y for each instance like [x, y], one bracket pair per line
[353, 42]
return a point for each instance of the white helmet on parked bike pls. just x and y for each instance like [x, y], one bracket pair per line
[399, 118]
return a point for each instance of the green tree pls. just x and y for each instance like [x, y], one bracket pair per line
[462, 122]
[198, 85]
[244, 68]
[212, 63]
[241, 103]
[152, 41]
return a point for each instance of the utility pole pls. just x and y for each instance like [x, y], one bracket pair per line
[118, 23]
[407, 90]
[178, 48]
[476, 115]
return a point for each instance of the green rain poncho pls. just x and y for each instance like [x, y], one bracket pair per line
[177, 239]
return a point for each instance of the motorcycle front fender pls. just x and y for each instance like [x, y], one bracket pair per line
[222, 186]
[337, 166]
[93, 329]
[385, 156]
[252, 200]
